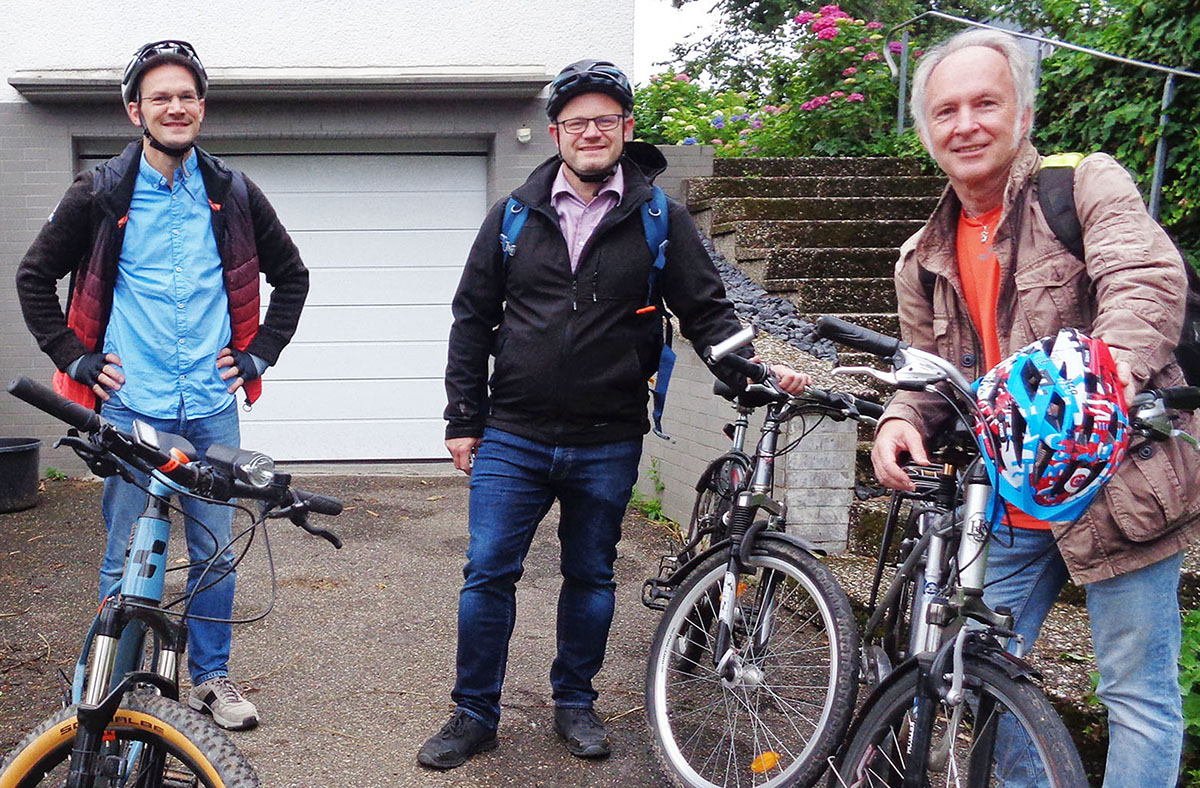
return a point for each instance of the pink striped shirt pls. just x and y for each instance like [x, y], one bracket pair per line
[578, 219]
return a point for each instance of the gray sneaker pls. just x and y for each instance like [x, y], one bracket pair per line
[221, 698]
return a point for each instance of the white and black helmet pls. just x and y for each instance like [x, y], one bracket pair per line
[155, 54]
[589, 76]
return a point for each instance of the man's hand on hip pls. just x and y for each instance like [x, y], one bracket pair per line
[237, 367]
[895, 437]
[101, 372]
[463, 452]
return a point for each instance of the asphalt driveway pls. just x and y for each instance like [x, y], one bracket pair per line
[351, 670]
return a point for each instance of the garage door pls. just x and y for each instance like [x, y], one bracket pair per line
[384, 237]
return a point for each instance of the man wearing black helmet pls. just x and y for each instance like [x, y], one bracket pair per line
[566, 313]
[164, 245]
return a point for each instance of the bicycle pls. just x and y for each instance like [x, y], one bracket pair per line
[124, 726]
[752, 672]
[944, 692]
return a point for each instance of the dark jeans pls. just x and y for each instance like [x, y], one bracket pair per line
[513, 483]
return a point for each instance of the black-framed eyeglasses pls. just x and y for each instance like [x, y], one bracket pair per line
[603, 123]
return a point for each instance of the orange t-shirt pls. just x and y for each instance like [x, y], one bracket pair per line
[979, 270]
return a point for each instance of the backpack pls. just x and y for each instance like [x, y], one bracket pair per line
[654, 222]
[1056, 195]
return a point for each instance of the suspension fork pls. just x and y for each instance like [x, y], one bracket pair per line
[746, 504]
[120, 636]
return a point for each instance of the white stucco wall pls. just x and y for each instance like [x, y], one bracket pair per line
[87, 34]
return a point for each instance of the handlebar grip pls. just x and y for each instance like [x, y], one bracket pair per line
[1181, 397]
[754, 370]
[872, 410]
[857, 337]
[57, 406]
[721, 350]
[321, 504]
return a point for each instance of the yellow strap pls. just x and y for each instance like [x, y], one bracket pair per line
[1062, 160]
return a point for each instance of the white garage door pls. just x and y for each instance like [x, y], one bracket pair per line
[384, 237]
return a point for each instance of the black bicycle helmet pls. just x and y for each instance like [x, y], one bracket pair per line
[589, 76]
[155, 54]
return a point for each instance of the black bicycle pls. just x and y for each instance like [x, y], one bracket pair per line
[949, 705]
[753, 669]
[124, 726]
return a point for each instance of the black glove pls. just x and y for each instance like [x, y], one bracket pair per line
[88, 370]
[247, 369]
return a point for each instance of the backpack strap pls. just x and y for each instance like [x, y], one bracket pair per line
[515, 214]
[654, 222]
[1056, 195]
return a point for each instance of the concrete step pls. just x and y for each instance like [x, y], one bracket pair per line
[810, 263]
[819, 166]
[832, 233]
[875, 294]
[736, 209]
[698, 190]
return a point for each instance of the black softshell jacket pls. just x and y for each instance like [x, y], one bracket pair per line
[572, 354]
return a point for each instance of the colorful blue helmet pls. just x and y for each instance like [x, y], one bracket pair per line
[1055, 424]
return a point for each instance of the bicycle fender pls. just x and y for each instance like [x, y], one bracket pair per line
[794, 540]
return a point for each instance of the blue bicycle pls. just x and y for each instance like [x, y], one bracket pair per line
[124, 726]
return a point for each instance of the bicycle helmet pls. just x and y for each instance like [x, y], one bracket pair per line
[589, 76]
[1055, 424]
[155, 54]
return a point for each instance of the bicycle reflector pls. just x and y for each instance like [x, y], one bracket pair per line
[1055, 424]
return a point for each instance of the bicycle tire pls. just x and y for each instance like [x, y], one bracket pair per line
[776, 724]
[195, 750]
[876, 750]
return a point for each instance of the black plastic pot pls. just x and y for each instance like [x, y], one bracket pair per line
[18, 473]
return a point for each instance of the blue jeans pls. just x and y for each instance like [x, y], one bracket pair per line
[513, 483]
[1136, 636]
[208, 641]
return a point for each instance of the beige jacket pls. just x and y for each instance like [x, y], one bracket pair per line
[1130, 293]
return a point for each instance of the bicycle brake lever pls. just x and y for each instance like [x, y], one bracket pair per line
[1188, 439]
[878, 374]
[298, 514]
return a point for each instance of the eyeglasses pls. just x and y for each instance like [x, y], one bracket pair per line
[579, 125]
[165, 99]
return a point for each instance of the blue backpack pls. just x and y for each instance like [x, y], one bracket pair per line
[654, 221]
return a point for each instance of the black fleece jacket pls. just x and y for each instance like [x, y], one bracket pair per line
[572, 354]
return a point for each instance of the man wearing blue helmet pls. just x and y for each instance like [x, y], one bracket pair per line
[561, 417]
[986, 277]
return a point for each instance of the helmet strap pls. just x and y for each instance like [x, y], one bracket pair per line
[176, 152]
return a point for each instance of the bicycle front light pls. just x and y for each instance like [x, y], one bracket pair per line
[252, 468]
[258, 470]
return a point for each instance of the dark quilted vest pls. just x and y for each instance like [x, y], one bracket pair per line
[90, 300]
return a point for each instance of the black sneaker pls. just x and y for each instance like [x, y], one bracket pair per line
[460, 738]
[583, 731]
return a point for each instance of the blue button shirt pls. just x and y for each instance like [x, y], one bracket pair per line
[170, 314]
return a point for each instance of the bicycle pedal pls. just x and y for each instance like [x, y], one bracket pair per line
[656, 593]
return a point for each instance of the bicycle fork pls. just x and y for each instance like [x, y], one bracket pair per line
[117, 646]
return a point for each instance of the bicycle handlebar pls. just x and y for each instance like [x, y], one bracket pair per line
[145, 450]
[57, 406]
[857, 337]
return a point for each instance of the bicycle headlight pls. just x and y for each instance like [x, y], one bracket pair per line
[257, 470]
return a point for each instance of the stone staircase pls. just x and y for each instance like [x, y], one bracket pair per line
[822, 232]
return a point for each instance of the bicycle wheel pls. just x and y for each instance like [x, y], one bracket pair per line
[723, 479]
[1006, 733]
[781, 699]
[162, 744]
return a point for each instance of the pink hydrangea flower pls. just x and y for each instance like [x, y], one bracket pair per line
[871, 57]
[828, 34]
[682, 78]
[856, 97]
[894, 47]
[874, 25]
[837, 94]
[823, 23]
[826, 10]
[850, 72]
[804, 17]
